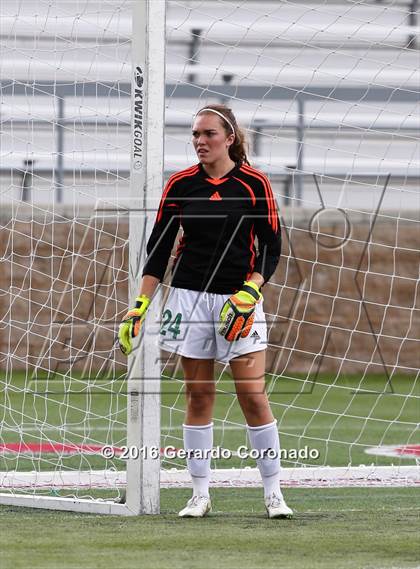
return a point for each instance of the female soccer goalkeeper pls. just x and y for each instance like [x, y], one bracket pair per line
[214, 308]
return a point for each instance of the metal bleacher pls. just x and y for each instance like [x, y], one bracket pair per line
[329, 90]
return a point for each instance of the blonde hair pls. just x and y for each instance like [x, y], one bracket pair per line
[237, 150]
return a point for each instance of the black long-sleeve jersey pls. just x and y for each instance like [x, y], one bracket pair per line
[220, 218]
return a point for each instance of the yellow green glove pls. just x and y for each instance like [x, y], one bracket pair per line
[238, 312]
[130, 326]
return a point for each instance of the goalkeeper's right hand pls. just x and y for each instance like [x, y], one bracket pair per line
[130, 326]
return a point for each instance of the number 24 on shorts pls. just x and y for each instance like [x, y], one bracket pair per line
[171, 325]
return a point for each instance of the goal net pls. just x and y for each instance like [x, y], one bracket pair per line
[328, 97]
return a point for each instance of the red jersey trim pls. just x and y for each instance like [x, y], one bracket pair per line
[271, 203]
[248, 188]
[216, 181]
[252, 249]
[174, 178]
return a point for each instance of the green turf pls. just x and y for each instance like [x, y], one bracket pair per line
[339, 418]
[332, 529]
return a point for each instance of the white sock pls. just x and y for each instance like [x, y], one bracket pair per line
[262, 438]
[199, 438]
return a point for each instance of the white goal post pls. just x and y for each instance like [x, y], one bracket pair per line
[142, 482]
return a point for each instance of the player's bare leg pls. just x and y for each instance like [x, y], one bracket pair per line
[249, 376]
[200, 390]
[198, 431]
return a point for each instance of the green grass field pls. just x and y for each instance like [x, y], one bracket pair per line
[357, 528]
[332, 529]
[338, 418]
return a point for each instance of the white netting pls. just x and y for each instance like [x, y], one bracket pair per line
[328, 95]
[65, 142]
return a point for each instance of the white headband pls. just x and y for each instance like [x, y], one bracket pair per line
[220, 115]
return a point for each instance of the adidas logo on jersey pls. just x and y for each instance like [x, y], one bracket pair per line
[255, 334]
[216, 196]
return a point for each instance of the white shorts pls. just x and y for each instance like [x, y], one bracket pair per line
[189, 325]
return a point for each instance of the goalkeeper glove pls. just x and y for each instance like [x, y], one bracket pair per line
[237, 314]
[130, 326]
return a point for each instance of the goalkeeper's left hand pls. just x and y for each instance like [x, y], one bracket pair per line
[237, 314]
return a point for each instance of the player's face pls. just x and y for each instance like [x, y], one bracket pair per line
[209, 139]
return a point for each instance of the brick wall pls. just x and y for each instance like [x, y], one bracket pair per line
[348, 309]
